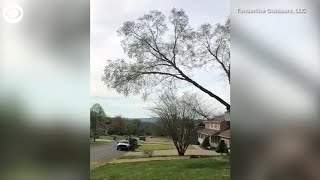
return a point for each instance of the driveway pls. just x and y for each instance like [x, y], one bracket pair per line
[101, 154]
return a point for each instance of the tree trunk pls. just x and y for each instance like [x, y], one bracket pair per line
[227, 105]
[179, 149]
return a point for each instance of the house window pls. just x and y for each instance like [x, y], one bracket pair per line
[214, 139]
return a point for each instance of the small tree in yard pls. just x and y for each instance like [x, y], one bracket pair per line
[222, 147]
[176, 119]
[97, 120]
[205, 143]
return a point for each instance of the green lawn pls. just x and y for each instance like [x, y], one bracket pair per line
[197, 168]
[110, 137]
[155, 147]
[106, 138]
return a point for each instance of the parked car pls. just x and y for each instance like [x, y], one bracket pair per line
[142, 138]
[123, 145]
[132, 141]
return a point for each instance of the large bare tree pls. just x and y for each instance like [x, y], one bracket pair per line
[165, 51]
[176, 119]
[214, 46]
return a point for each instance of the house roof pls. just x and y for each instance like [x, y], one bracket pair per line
[199, 121]
[217, 119]
[208, 131]
[225, 134]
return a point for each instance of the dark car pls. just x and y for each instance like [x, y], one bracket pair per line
[133, 143]
[132, 140]
[142, 138]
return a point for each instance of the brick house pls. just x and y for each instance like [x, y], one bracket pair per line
[216, 129]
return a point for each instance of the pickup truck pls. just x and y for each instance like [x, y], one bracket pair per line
[123, 145]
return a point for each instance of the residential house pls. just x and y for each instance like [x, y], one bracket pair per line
[216, 129]
[225, 136]
[199, 125]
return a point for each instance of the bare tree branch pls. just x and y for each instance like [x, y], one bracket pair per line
[152, 51]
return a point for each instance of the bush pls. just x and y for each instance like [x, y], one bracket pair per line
[205, 143]
[222, 147]
[148, 153]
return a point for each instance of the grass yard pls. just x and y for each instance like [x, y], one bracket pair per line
[129, 157]
[100, 141]
[197, 168]
[159, 140]
[110, 137]
[155, 147]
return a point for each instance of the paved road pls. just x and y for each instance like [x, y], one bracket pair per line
[105, 152]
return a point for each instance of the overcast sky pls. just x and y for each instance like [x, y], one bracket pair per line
[107, 17]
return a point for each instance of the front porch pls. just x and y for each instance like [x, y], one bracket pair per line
[211, 134]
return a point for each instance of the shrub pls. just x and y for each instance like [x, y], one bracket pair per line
[222, 147]
[205, 142]
[148, 153]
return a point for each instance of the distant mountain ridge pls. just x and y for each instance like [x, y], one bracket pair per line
[151, 119]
